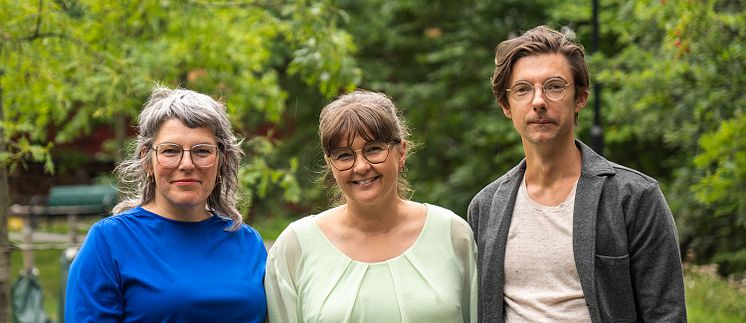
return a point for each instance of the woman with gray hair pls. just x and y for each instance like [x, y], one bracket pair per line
[176, 248]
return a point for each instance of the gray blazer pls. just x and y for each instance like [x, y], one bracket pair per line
[624, 240]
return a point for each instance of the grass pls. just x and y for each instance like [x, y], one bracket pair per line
[710, 298]
[270, 227]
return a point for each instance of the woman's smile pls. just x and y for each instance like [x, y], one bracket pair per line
[366, 182]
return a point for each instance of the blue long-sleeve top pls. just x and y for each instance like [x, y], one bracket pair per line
[140, 267]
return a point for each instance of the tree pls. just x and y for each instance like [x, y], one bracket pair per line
[672, 73]
[721, 163]
[435, 59]
[69, 65]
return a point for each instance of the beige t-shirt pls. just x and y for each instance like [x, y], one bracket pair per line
[541, 280]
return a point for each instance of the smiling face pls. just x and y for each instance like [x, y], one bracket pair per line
[540, 120]
[367, 183]
[183, 189]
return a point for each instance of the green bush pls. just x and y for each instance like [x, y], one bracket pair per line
[710, 298]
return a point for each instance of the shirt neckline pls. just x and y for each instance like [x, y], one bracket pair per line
[212, 217]
[331, 245]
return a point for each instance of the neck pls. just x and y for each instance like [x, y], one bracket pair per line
[186, 214]
[549, 163]
[374, 219]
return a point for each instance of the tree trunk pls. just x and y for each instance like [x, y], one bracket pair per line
[4, 204]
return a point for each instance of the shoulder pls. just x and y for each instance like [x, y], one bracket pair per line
[461, 236]
[510, 177]
[632, 177]
[459, 226]
[439, 211]
[287, 241]
[597, 165]
[622, 179]
[626, 189]
[247, 232]
[117, 222]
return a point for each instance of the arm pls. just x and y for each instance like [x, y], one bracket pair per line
[472, 215]
[93, 291]
[655, 261]
[279, 282]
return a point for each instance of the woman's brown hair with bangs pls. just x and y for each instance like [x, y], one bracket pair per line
[370, 115]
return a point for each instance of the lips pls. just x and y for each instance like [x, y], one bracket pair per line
[186, 181]
[541, 121]
[366, 181]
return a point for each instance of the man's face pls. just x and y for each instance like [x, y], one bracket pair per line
[541, 117]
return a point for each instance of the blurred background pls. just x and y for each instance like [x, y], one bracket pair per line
[667, 99]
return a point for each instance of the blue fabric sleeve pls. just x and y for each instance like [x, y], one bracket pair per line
[93, 286]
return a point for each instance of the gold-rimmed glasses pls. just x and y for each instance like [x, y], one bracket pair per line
[554, 89]
[169, 154]
[343, 158]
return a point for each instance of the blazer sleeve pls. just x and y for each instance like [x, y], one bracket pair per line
[279, 282]
[93, 292]
[655, 260]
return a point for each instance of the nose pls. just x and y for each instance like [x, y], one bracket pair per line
[186, 161]
[537, 99]
[361, 164]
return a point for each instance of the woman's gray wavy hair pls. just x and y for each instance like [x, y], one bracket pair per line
[195, 110]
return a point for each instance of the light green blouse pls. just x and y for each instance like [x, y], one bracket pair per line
[309, 280]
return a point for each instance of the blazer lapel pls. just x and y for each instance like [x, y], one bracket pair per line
[584, 233]
[595, 171]
[502, 205]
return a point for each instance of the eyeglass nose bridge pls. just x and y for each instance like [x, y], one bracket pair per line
[362, 153]
[544, 92]
[181, 158]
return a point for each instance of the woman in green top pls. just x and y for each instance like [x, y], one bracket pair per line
[377, 256]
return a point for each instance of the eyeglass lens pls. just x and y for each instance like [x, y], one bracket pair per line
[554, 89]
[375, 152]
[170, 155]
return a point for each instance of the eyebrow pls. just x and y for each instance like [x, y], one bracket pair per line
[550, 78]
[199, 143]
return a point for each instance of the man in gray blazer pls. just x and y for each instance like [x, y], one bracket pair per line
[566, 235]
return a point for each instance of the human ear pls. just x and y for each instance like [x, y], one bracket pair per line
[402, 154]
[506, 110]
[581, 100]
[148, 167]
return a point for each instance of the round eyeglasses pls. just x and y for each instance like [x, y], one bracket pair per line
[554, 89]
[169, 155]
[343, 158]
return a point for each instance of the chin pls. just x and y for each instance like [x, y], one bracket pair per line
[541, 138]
[188, 201]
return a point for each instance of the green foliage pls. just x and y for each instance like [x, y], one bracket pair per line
[672, 73]
[69, 65]
[722, 189]
[434, 58]
[710, 298]
[723, 159]
[271, 226]
[261, 177]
